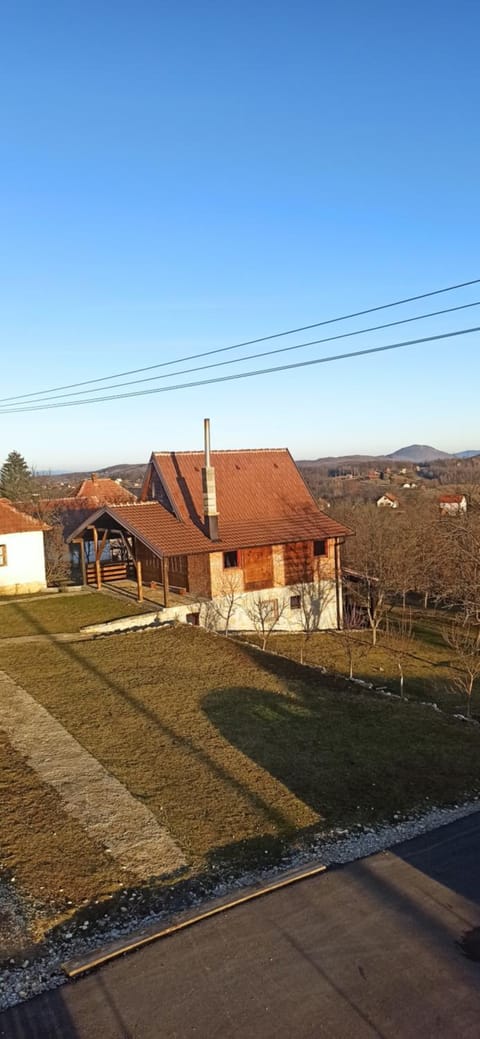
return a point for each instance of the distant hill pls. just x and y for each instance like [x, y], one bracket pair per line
[415, 453]
[337, 460]
[418, 453]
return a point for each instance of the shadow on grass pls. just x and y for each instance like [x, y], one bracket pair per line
[425, 679]
[351, 758]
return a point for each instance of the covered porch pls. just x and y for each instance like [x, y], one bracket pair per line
[109, 553]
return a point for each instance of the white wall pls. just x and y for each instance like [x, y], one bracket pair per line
[25, 569]
[213, 614]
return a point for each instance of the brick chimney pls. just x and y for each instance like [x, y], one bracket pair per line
[209, 491]
[94, 477]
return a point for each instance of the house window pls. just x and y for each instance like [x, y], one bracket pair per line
[230, 559]
[270, 610]
[193, 618]
[295, 602]
[3, 555]
[320, 548]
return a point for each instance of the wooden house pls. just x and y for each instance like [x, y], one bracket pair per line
[211, 526]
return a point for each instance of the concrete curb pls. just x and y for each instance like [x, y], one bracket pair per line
[74, 968]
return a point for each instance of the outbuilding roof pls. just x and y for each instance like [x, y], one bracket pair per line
[13, 521]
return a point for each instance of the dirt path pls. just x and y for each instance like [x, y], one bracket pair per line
[106, 809]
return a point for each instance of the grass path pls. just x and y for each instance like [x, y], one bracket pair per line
[122, 824]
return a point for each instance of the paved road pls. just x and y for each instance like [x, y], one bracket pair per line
[368, 950]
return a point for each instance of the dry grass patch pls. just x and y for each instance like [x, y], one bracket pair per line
[47, 852]
[60, 613]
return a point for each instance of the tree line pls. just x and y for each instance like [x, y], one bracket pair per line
[417, 555]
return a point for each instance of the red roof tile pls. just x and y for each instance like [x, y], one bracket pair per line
[261, 500]
[12, 521]
[251, 485]
[451, 499]
[103, 489]
[166, 535]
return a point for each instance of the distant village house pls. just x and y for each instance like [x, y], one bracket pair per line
[388, 501]
[452, 504]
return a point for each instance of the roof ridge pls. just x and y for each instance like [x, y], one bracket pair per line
[226, 451]
[130, 504]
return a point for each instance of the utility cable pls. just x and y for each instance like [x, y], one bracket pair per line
[265, 353]
[238, 346]
[240, 375]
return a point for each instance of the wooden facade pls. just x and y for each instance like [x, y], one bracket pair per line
[208, 575]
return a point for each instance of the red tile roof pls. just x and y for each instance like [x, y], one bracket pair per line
[251, 485]
[451, 499]
[261, 500]
[12, 521]
[103, 489]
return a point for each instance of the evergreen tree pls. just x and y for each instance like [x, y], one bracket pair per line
[15, 478]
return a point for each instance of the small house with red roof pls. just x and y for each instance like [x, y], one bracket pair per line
[452, 504]
[22, 551]
[388, 501]
[215, 526]
[104, 490]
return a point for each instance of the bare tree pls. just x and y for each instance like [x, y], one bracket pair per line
[353, 645]
[461, 548]
[372, 555]
[58, 567]
[312, 599]
[463, 640]
[398, 643]
[265, 615]
[223, 606]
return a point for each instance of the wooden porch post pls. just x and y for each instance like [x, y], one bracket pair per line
[98, 569]
[82, 561]
[139, 580]
[338, 585]
[165, 580]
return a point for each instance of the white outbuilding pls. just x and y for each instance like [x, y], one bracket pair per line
[22, 551]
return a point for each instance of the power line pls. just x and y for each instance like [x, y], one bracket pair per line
[265, 353]
[247, 342]
[241, 375]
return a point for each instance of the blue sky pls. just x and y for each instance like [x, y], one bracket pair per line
[175, 178]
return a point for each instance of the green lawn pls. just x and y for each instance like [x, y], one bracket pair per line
[58, 613]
